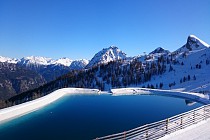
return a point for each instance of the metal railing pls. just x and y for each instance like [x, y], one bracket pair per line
[161, 128]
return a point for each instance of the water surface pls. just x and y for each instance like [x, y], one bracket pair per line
[84, 117]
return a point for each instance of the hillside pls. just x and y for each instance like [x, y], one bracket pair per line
[185, 69]
[15, 80]
[188, 68]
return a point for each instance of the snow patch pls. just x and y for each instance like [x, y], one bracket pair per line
[186, 95]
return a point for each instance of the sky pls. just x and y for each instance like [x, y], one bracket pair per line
[80, 28]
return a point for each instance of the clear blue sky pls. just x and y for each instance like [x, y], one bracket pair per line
[80, 28]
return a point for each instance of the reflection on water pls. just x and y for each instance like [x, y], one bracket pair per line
[189, 102]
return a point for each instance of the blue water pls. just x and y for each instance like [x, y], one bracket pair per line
[84, 117]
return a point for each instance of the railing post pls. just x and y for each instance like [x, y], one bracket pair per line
[194, 116]
[204, 113]
[167, 121]
[181, 122]
[147, 135]
[124, 135]
[207, 111]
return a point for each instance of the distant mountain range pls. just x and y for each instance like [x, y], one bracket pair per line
[38, 60]
[185, 69]
[19, 75]
[102, 57]
[49, 68]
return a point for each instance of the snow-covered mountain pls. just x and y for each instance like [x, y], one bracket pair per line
[48, 68]
[160, 50]
[73, 64]
[171, 70]
[37, 60]
[187, 68]
[106, 55]
[193, 44]
[63, 61]
[44, 61]
[78, 64]
[8, 60]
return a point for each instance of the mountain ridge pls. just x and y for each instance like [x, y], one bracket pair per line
[183, 70]
[193, 43]
[39, 60]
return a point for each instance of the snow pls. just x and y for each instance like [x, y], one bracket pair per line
[193, 43]
[79, 64]
[201, 41]
[192, 58]
[106, 55]
[19, 110]
[186, 95]
[198, 53]
[8, 60]
[36, 60]
[39, 60]
[63, 61]
[199, 131]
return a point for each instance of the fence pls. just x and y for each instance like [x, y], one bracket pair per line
[161, 128]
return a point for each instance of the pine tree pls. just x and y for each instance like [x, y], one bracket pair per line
[182, 63]
[184, 79]
[161, 85]
[194, 78]
[188, 77]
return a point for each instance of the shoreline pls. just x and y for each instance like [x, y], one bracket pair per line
[197, 97]
[12, 112]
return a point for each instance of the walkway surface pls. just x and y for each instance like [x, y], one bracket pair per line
[200, 131]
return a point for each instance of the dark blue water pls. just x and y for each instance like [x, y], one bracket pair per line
[86, 117]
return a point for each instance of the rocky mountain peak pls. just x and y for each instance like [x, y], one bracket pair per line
[106, 55]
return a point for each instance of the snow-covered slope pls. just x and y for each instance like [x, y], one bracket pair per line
[190, 72]
[106, 55]
[8, 60]
[193, 43]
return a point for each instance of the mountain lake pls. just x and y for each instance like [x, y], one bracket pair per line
[85, 117]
